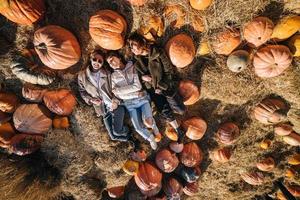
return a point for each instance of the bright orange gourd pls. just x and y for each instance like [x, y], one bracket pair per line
[189, 91]
[227, 41]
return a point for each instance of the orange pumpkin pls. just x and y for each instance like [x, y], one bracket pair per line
[226, 41]
[24, 12]
[294, 190]
[266, 165]
[196, 128]
[173, 188]
[116, 192]
[200, 4]
[166, 161]
[258, 31]
[272, 60]
[108, 28]
[57, 47]
[137, 2]
[283, 129]
[32, 118]
[171, 133]
[191, 155]
[191, 189]
[7, 132]
[222, 155]
[253, 178]
[270, 111]
[33, 93]
[189, 91]
[8, 102]
[148, 177]
[290, 173]
[61, 102]
[228, 133]
[23, 144]
[175, 14]
[181, 50]
[61, 122]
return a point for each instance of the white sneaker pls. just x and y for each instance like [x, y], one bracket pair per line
[153, 144]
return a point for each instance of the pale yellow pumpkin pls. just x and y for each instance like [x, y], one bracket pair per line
[286, 27]
[294, 45]
[204, 48]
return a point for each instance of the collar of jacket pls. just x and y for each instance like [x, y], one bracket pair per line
[101, 74]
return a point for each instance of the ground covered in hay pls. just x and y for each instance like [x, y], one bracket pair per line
[81, 162]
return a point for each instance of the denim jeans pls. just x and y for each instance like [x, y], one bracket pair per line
[140, 109]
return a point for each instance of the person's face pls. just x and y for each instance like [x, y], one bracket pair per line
[136, 49]
[114, 62]
[97, 61]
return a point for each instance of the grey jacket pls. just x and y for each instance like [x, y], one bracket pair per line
[96, 86]
[125, 83]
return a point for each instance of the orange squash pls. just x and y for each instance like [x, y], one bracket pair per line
[226, 42]
[8, 102]
[272, 60]
[166, 161]
[258, 31]
[7, 132]
[173, 188]
[189, 91]
[24, 12]
[24, 144]
[266, 165]
[181, 50]
[108, 28]
[253, 178]
[191, 155]
[175, 14]
[33, 93]
[61, 122]
[196, 128]
[228, 133]
[61, 102]
[200, 4]
[57, 47]
[32, 118]
[116, 192]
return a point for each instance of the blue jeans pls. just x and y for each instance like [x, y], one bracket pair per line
[139, 109]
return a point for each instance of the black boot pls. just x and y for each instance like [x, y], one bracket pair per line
[180, 133]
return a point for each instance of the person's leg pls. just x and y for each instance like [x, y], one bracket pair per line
[108, 121]
[176, 103]
[118, 126]
[148, 117]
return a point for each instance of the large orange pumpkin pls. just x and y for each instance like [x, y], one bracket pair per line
[148, 177]
[8, 102]
[23, 144]
[33, 93]
[189, 91]
[270, 111]
[227, 41]
[108, 28]
[200, 4]
[196, 128]
[24, 12]
[258, 31]
[57, 47]
[228, 133]
[191, 155]
[7, 132]
[61, 102]
[166, 160]
[173, 188]
[181, 50]
[175, 14]
[272, 60]
[137, 2]
[32, 118]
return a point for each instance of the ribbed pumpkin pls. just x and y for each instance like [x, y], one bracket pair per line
[294, 45]
[266, 165]
[23, 144]
[196, 128]
[7, 132]
[175, 14]
[181, 50]
[33, 93]
[61, 122]
[173, 188]
[270, 111]
[176, 147]
[189, 91]
[294, 190]
[191, 155]
[61, 102]
[28, 67]
[190, 175]
[286, 27]
[131, 167]
[258, 31]
[272, 60]
[24, 12]
[238, 60]
[283, 129]
[57, 47]
[225, 42]
[253, 178]
[166, 160]
[222, 155]
[200, 4]
[8, 102]
[137, 2]
[228, 133]
[153, 28]
[191, 189]
[116, 192]
[32, 118]
[148, 177]
[108, 28]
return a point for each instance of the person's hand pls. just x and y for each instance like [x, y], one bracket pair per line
[114, 105]
[157, 91]
[96, 101]
[146, 78]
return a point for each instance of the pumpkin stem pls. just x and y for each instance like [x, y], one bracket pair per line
[41, 46]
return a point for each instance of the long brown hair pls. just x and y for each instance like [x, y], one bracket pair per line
[103, 54]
